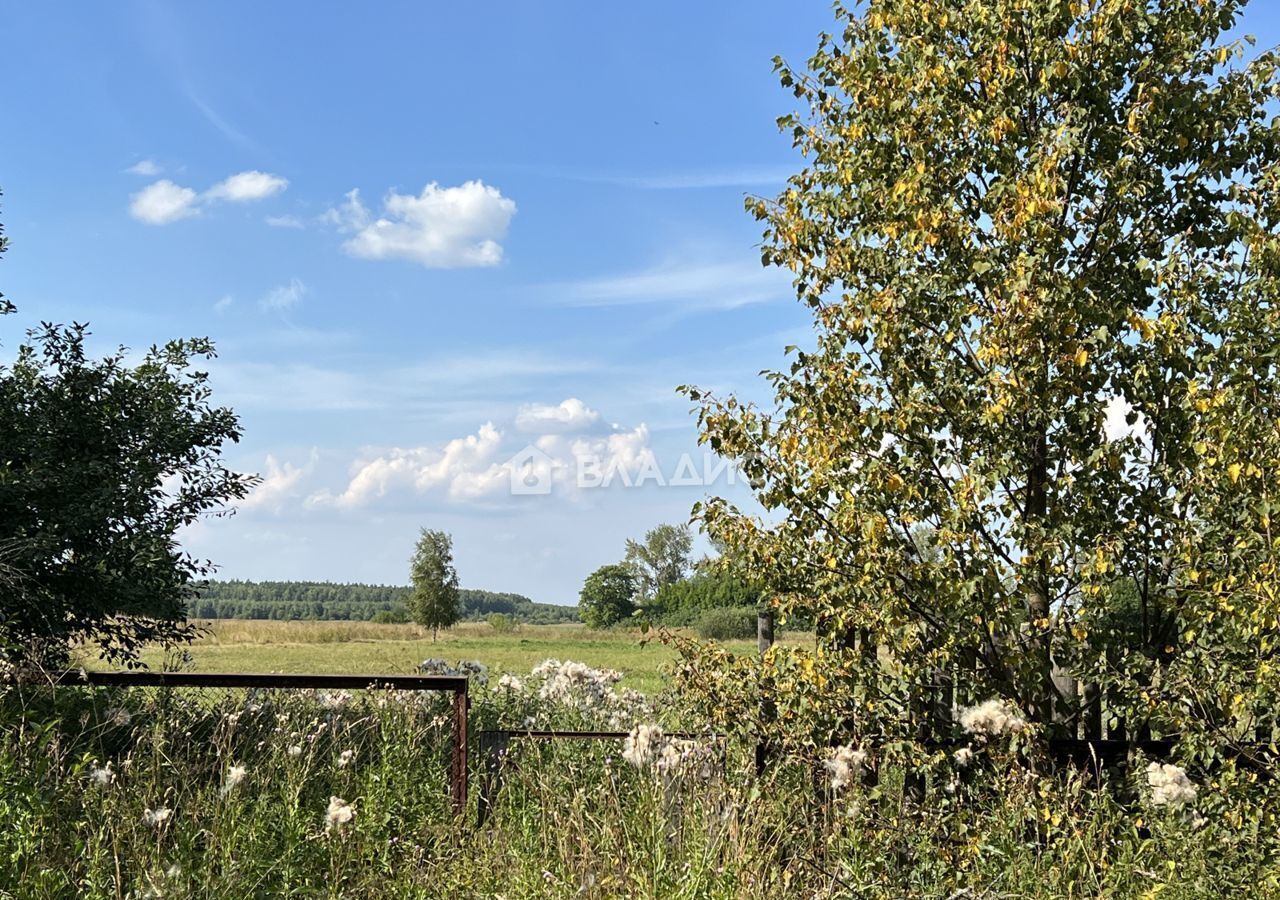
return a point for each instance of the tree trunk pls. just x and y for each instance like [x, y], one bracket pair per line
[1040, 702]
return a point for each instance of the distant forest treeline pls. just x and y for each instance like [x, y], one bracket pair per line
[236, 599]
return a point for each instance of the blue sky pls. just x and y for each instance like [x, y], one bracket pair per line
[546, 236]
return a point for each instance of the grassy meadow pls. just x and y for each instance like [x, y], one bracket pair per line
[143, 793]
[364, 647]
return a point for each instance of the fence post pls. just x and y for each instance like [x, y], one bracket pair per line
[764, 630]
[458, 764]
[764, 640]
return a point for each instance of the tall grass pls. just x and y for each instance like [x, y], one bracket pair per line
[573, 819]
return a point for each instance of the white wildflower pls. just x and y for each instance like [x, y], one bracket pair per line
[992, 718]
[156, 817]
[1169, 785]
[339, 814]
[685, 757]
[346, 758]
[845, 765]
[963, 757]
[511, 684]
[101, 776]
[334, 701]
[644, 745]
[235, 775]
[295, 750]
[173, 871]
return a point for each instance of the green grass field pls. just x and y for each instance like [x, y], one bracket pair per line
[363, 647]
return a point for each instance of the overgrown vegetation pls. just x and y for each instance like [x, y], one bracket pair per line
[140, 793]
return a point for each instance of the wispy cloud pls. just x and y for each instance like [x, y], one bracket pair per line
[146, 167]
[439, 386]
[284, 297]
[225, 128]
[729, 176]
[696, 285]
[286, 221]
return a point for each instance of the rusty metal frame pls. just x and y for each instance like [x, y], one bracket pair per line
[454, 684]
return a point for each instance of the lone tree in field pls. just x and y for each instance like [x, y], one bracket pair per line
[607, 596]
[101, 463]
[1039, 242]
[434, 601]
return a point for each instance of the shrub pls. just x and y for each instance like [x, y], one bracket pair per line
[732, 623]
[502, 623]
[397, 616]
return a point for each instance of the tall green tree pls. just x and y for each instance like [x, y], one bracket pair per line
[608, 596]
[434, 601]
[662, 558]
[1038, 239]
[101, 463]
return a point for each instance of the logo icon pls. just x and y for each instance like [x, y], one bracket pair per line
[530, 471]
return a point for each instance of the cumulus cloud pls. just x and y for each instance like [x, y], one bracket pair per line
[486, 465]
[463, 468]
[280, 483]
[147, 167]
[569, 415]
[246, 186]
[163, 202]
[451, 227]
[284, 297]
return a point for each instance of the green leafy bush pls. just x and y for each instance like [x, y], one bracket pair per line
[735, 623]
[502, 623]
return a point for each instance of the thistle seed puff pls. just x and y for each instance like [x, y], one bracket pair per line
[1170, 786]
[845, 765]
[992, 718]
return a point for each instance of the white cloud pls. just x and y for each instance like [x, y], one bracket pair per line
[701, 285]
[147, 167]
[223, 303]
[569, 415]
[484, 465]
[287, 296]
[163, 202]
[279, 483]
[443, 228]
[284, 222]
[246, 186]
[463, 468]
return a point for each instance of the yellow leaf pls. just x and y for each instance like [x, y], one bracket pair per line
[1233, 471]
[1082, 357]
